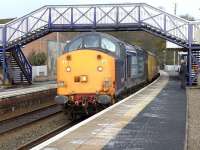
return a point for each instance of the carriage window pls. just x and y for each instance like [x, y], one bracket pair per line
[91, 41]
[108, 44]
[77, 44]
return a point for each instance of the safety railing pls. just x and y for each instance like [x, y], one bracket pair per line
[93, 16]
[23, 63]
[196, 32]
[166, 23]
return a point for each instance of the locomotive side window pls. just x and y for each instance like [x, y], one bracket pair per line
[134, 66]
[129, 66]
[77, 44]
[140, 64]
[108, 44]
[91, 41]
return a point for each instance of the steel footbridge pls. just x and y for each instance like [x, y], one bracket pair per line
[102, 17]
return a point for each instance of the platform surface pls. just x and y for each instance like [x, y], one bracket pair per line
[151, 119]
[5, 93]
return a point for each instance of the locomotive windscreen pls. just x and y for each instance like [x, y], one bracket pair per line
[93, 40]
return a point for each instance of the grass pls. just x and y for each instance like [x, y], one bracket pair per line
[3, 21]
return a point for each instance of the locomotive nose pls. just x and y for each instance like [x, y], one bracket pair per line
[86, 71]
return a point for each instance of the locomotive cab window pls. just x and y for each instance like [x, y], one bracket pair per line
[96, 41]
[108, 44]
[91, 41]
[77, 44]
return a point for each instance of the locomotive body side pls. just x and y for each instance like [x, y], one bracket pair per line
[152, 67]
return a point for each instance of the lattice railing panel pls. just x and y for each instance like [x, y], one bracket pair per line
[106, 15]
[61, 15]
[38, 20]
[83, 15]
[22, 26]
[196, 33]
[152, 17]
[128, 14]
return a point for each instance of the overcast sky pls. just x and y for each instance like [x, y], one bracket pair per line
[18, 8]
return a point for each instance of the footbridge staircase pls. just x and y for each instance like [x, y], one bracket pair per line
[86, 18]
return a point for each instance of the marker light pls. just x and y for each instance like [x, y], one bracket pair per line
[68, 57]
[100, 69]
[68, 69]
[83, 78]
[99, 57]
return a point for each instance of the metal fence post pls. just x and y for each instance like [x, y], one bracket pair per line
[165, 23]
[27, 25]
[72, 15]
[139, 15]
[117, 16]
[49, 21]
[95, 17]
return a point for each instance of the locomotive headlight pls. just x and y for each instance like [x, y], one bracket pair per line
[100, 69]
[68, 69]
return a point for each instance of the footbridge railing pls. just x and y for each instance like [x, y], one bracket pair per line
[100, 16]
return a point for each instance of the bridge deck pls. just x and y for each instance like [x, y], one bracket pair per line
[153, 118]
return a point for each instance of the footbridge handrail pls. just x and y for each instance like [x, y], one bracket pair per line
[101, 16]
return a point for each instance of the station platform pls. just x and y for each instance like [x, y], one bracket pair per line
[153, 118]
[37, 87]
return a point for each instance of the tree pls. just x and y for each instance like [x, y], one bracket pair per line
[188, 17]
[3, 21]
[38, 59]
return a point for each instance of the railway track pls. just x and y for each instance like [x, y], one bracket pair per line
[48, 135]
[14, 123]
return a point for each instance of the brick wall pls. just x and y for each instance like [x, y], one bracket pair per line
[42, 43]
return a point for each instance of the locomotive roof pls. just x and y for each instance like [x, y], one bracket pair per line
[129, 46]
[99, 34]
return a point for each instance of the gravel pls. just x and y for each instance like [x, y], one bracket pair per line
[21, 136]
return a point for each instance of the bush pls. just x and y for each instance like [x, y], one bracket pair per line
[38, 59]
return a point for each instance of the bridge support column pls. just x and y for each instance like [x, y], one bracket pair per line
[190, 66]
[5, 69]
[190, 39]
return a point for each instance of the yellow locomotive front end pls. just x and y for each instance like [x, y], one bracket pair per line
[85, 75]
[85, 79]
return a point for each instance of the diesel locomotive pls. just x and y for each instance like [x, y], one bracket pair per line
[96, 68]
